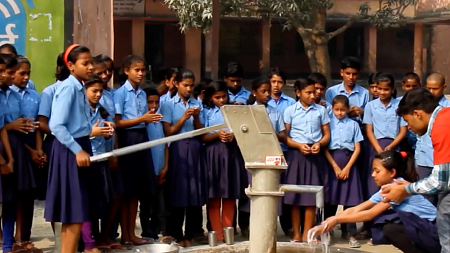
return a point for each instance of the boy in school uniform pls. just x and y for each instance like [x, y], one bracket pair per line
[425, 116]
[234, 74]
[153, 217]
[410, 81]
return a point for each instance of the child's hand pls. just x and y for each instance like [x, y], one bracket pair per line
[315, 149]
[7, 168]
[322, 103]
[104, 131]
[37, 158]
[188, 113]
[196, 111]
[224, 136]
[344, 173]
[337, 171]
[388, 147]
[150, 117]
[304, 148]
[23, 125]
[162, 176]
[83, 159]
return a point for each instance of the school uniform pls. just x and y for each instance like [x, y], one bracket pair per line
[67, 200]
[386, 126]
[186, 181]
[328, 107]
[223, 162]
[21, 180]
[45, 109]
[136, 169]
[344, 134]
[29, 109]
[417, 215]
[164, 98]
[240, 97]
[153, 217]
[359, 96]
[303, 169]
[31, 86]
[282, 103]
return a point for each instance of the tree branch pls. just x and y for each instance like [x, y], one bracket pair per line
[342, 29]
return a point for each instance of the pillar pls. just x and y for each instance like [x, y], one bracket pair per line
[370, 36]
[138, 36]
[265, 47]
[418, 46]
[212, 44]
[193, 51]
[440, 51]
[93, 26]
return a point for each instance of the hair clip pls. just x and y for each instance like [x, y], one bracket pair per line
[403, 154]
[386, 159]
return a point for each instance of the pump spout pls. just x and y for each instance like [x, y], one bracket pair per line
[318, 190]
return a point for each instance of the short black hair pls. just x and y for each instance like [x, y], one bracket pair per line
[151, 92]
[411, 75]
[351, 62]
[341, 99]
[417, 99]
[10, 47]
[319, 78]
[234, 69]
[198, 88]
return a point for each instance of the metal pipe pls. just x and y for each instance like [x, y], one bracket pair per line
[318, 190]
[149, 144]
[263, 215]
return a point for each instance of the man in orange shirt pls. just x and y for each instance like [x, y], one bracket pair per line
[420, 109]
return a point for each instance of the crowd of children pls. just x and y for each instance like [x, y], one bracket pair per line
[344, 137]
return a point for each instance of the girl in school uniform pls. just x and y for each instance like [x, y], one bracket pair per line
[384, 128]
[69, 172]
[260, 95]
[11, 50]
[99, 188]
[18, 186]
[29, 108]
[185, 178]
[307, 125]
[342, 153]
[45, 142]
[223, 162]
[414, 230]
[168, 90]
[138, 176]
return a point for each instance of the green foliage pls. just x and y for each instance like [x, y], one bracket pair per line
[297, 13]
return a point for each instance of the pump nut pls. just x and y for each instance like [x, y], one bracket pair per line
[244, 128]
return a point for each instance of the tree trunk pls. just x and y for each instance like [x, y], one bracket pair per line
[315, 41]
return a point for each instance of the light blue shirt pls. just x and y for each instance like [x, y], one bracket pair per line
[130, 103]
[328, 107]
[283, 102]
[30, 85]
[384, 120]
[344, 134]
[306, 123]
[45, 105]
[174, 109]
[424, 148]
[212, 117]
[415, 204]
[155, 132]
[275, 118]
[10, 105]
[30, 102]
[164, 98]
[242, 96]
[70, 114]
[98, 143]
[107, 101]
[359, 96]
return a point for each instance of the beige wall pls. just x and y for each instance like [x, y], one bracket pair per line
[429, 6]
[440, 50]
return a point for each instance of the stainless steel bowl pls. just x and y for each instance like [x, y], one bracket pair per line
[158, 248]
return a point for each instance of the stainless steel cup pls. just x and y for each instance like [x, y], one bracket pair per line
[212, 238]
[228, 233]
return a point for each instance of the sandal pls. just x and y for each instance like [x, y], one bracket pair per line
[144, 241]
[354, 244]
[104, 249]
[370, 242]
[128, 245]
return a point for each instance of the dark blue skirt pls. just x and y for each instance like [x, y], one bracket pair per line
[98, 191]
[114, 182]
[3, 153]
[136, 169]
[368, 183]
[187, 183]
[423, 171]
[22, 179]
[225, 169]
[344, 192]
[41, 174]
[67, 199]
[388, 216]
[304, 170]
